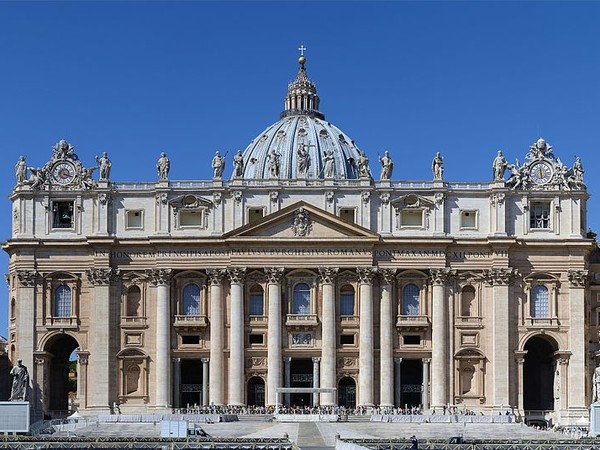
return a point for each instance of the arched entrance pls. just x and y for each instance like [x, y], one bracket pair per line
[256, 391]
[62, 374]
[347, 392]
[538, 374]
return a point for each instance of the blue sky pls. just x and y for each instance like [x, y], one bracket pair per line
[190, 78]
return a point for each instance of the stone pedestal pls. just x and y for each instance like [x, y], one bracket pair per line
[595, 419]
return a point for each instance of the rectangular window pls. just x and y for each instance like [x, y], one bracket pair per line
[411, 218]
[347, 214]
[62, 215]
[255, 214]
[190, 340]
[347, 339]
[539, 215]
[257, 339]
[134, 219]
[411, 339]
[347, 304]
[468, 220]
[190, 218]
[256, 305]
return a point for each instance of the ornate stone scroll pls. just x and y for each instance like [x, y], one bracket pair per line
[274, 274]
[366, 274]
[328, 274]
[27, 277]
[159, 276]
[441, 275]
[499, 276]
[101, 276]
[578, 278]
[236, 274]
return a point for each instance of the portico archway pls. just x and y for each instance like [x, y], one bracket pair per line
[538, 374]
[61, 374]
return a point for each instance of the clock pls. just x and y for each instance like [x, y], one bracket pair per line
[63, 173]
[540, 172]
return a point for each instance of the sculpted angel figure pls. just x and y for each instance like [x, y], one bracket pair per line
[218, 165]
[387, 165]
[499, 165]
[21, 170]
[437, 166]
[163, 165]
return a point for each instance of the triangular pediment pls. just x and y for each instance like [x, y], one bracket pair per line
[302, 221]
[413, 201]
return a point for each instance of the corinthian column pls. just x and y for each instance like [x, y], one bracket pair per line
[439, 338]
[577, 340]
[328, 338]
[100, 359]
[499, 279]
[236, 337]
[365, 348]
[274, 275]
[386, 340]
[161, 279]
[215, 372]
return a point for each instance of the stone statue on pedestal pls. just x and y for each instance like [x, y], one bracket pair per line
[20, 382]
[596, 386]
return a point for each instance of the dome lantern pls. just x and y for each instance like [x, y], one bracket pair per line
[302, 98]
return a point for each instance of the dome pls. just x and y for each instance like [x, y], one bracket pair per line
[301, 144]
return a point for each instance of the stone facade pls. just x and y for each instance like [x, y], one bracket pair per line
[429, 293]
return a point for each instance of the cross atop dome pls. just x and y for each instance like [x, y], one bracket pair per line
[302, 48]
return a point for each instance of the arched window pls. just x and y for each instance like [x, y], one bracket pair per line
[13, 310]
[468, 306]
[540, 306]
[256, 306]
[62, 301]
[410, 300]
[134, 297]
[301, 303]
[191, 300]
[347, 301]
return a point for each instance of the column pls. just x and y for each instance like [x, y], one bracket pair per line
[439, 339]
[42, 378]
[100, 359]
[25, 318]
[425, 394]
[386, 340]
[397, 382]
[328, 334]
[316, 361]
[236, 337]
[215, 372]
[520, 360]
[577, 341]
[82, 363]
[205, 370]
[365, 349]
[287, 381]
[499, 279]
[176, 382]
[274, 275]
[563, 382]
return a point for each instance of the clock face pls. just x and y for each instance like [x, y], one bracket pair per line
[540, 173]
[63, 173]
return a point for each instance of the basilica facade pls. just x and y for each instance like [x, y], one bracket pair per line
[304, 269]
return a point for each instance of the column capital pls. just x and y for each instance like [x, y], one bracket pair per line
[205, 360]
[397, 360]
[387, 275]
[215, 276]
[82, 357]
[366, 274]
[577, 278]
[316, 359]
[499, 276]
[287, 359]
[236, 274]
[520, 356]
[274, 274]
[176, 360]
[159, 276]
[426, 360]
[27, 278]
[327, 274]
[101, 276]
[441, 275]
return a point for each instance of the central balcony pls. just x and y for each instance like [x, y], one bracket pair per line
[183, 321]
[406, 322]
